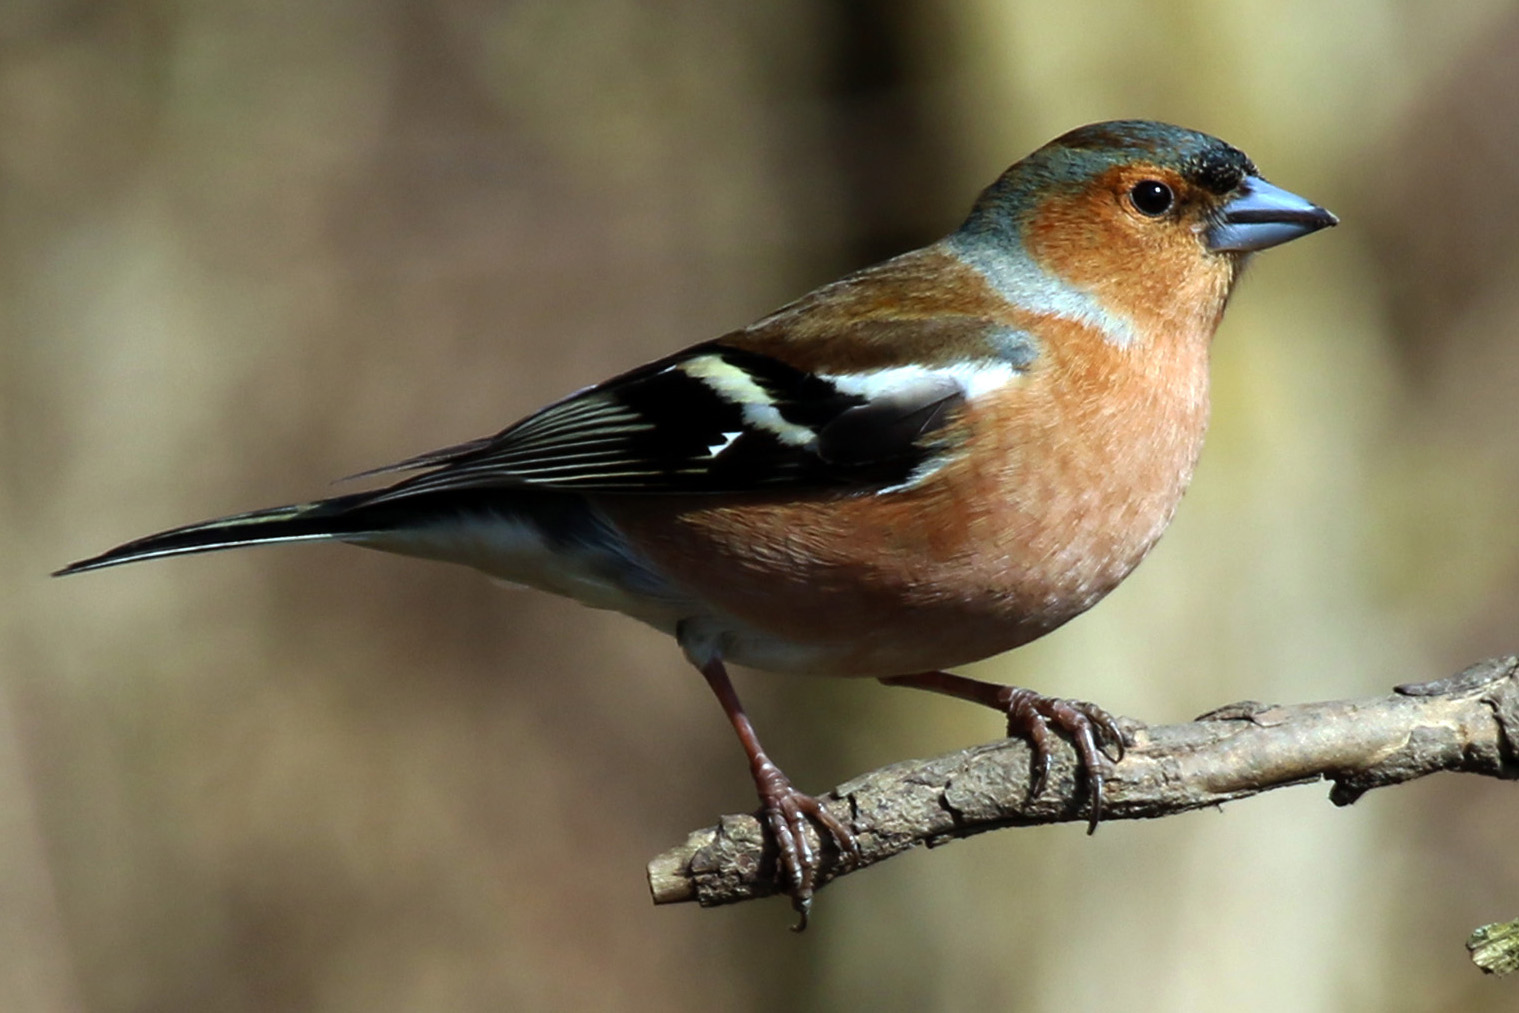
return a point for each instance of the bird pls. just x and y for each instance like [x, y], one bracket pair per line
[928, 462]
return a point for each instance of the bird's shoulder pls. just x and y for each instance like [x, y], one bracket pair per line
[930, 308]
[851, 387]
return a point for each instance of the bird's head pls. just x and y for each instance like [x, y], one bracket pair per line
[1153, 220]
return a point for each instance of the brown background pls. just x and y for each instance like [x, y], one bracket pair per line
[246, 247]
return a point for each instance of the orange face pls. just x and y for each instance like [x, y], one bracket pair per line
[1152, 265]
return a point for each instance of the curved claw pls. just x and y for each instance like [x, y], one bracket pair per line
[1029, 717]
[1024, 721]
[787, 812]
[1092, 729]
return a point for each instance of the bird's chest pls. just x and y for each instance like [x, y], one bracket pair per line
[1048, 506]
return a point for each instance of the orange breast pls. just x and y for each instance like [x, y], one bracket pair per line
[1071, 474]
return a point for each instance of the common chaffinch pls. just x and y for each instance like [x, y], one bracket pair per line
[925, 463]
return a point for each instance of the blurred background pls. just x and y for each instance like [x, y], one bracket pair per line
[247, 247]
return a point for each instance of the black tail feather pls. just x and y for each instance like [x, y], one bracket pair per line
[325, 519]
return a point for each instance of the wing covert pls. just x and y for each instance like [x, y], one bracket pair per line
[714, 418]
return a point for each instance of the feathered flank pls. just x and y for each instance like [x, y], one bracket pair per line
[711, 419]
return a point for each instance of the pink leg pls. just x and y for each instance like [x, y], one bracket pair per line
[1030, 716]
[786, 809]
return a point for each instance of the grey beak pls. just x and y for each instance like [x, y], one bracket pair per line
[1262, 215]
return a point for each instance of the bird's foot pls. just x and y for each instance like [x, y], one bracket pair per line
[787, 811]
[1030, 716]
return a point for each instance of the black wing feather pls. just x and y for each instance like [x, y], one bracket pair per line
[669, 427]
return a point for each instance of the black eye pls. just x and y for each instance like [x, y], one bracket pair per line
[1152, 197]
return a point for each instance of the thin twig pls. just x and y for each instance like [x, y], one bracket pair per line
[1495, 947]
[1469, 722]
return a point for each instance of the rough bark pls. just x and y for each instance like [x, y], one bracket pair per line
[1468, 722]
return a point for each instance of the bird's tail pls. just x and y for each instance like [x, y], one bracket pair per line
[301, 522]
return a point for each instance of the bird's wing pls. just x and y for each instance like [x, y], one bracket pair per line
[713, 418]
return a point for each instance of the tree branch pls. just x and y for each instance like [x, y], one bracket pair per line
[1468, 722]
[1495, 947]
